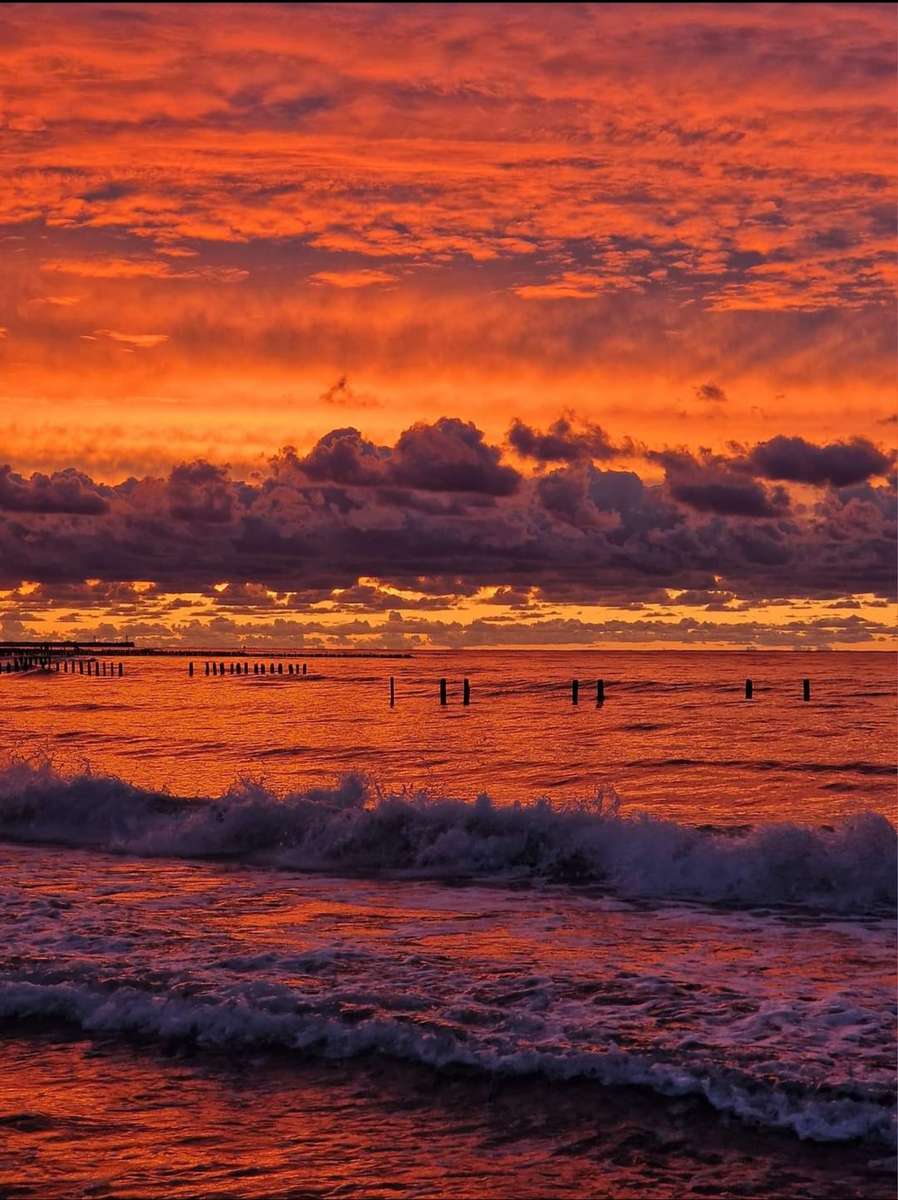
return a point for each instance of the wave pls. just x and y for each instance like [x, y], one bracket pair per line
[353, 827]
[767, 764]
[218, 1023]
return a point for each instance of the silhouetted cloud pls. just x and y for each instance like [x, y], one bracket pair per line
[438, 514]
[561, 442]
[711, 392]
[797, 461]
[62, 492]
[731, 498]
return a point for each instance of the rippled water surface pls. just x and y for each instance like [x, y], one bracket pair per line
[675, 732]
[305, 987]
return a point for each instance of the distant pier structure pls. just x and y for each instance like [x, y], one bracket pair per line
[51, 655]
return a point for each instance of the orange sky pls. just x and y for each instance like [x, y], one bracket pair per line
[227, 229]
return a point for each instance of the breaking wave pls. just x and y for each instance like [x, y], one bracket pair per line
[219, 1023]
[353, 827]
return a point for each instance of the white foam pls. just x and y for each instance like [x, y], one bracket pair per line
[240, 1022]
[849, 867]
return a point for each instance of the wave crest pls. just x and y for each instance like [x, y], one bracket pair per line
[847, 867]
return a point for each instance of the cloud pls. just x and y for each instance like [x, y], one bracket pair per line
[341, 395]
[353, 279]
[201, 493]
[140, 268]
[561, 442]
[711, 392]
[142, 340]
[439, 514]
[344, 456]
[715, 483]
[839, 463]
[62, 492]
[450, 455]
[730, 498]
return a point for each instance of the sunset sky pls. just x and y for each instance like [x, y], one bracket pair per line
[457, 325]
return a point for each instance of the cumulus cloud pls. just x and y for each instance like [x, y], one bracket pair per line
[62, 492]
[439, 514]
[450, 455]
[714, 483]
[563, 441]
[838, 463]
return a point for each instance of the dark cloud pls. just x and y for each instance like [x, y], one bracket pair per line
[561, 442]
[440, 516]
[447, 456]
[344, 456]
[201, 492]
[450, 455]
[839, 463]
[712, 483]
[342, 395]
[62, 492]
[729, 498]
[711, 392]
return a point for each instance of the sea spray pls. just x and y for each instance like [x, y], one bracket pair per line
[353, 827]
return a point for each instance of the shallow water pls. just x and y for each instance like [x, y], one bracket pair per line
[298, 992]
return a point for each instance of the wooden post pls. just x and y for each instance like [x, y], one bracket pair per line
[575, 691]
[121, 670]
[289, 668]
[748, 689]
[304, 668]
[80, 666]
[392, 692]
[806, 689]
[600, 691]
[442, 691]
[280, 668]
[466, 691]
[190, 670]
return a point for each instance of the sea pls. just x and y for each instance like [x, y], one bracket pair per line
[269, 935]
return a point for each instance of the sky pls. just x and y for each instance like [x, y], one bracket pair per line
[375, 325]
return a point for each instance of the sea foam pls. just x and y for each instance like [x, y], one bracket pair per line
[225, 1024]
[849, 866]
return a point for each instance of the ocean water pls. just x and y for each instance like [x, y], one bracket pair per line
[267, 936]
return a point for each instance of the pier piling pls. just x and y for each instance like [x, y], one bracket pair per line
[575, 691]
[806, 689]
[392, 692]
[443, 691]
[466, 691]
[748, 689]
[600, 691]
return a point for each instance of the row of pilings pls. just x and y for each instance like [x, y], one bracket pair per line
[65, 666]
[242, 668]
[575, 691]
